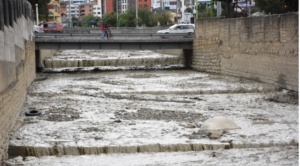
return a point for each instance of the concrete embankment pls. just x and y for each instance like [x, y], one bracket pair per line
[260, 48]
[17, 64]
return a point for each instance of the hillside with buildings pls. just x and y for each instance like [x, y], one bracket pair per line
[62, 10]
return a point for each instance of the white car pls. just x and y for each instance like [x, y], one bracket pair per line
[38, 29]
[187, 30]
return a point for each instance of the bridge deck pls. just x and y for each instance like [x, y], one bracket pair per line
[120, 41]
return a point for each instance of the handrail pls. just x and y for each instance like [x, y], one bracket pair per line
[131, 35]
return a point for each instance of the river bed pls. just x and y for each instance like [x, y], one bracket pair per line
[138, 109]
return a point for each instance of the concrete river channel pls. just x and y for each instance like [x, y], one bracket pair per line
[113, 107]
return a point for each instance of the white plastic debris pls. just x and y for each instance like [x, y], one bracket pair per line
[219, 123]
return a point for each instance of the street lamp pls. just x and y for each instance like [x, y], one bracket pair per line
[37, 14]
[70, 18]
[117, 4]
[177, 11]
[136, 12]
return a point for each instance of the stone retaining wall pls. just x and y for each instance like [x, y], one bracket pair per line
[260, 48]
[17, 64]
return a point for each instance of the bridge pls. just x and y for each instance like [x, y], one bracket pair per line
[139, 41]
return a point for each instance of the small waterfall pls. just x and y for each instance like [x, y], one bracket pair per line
[59, 150]
[126, 61]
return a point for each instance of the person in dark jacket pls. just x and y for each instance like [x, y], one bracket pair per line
[107, 31]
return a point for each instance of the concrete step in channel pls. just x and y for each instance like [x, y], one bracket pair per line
[59, 150]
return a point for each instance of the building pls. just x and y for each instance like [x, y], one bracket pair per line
[85, 9]
[124, 6]
[172, 5]
[108, 6]
[97, 10]
[54, 11]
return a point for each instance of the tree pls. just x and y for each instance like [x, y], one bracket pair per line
[89, 20]
[188, 10]
[154, 19]
[110, 19]
[291, 5]
[270, 6]
[277, 6]
[212, 10]
[76, 22]
[165, 18]
[42, 8]
[128, 19]
[203, 10]
[144, 17]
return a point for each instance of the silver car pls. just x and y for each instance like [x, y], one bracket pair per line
[186, 30]
[38, 29]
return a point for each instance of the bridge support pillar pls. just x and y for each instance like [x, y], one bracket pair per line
[38, 65]
[188, 56]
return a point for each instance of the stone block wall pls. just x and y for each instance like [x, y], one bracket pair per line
[17, 64]
[260, 48]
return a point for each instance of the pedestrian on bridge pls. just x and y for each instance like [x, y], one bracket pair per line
[107, 31]
[102, 28]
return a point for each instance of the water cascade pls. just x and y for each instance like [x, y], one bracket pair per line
[91, 59]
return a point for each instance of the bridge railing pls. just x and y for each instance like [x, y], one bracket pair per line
[115, 30]
[115, 36]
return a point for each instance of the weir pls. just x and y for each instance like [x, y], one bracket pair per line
[135, 62]
[182, 58]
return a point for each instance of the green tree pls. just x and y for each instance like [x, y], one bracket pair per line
[277, 6]
[42, 8]
[212, 10]
[76, 22]
[270, 6]
[203, 10]
[127, 19]
[110, 19]
[188, 10]
[89, 20]
[291, 5]
[144, 17]
[165, 18]
[154, 19]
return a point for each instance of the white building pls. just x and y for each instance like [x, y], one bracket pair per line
[74, 7]
[74, 10]
[176, 6]
[97, 10]
[124, 6]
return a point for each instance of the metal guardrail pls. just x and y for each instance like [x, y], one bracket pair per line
[87, 30]
[123, 36]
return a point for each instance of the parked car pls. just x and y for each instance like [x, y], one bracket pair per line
[187, 30]
[38, 29]
[52, 27]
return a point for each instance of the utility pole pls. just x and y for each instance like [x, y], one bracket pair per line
[136, 13]
[197, 9]
[177, 11]
[117, 4]
[37, 13]
[70, 17]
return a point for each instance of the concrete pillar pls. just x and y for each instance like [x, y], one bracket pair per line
[188, 55]
[38, 64]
